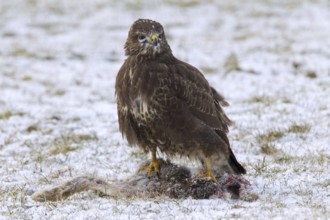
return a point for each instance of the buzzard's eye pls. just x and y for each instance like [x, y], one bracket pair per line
[160, 37]
[142, 37]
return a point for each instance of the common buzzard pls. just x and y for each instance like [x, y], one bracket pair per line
[166, 104]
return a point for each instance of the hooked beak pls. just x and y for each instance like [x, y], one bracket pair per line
[154, 40]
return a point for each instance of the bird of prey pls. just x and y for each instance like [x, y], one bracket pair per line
[164, 103]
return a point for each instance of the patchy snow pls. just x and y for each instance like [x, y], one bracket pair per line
[58, 119]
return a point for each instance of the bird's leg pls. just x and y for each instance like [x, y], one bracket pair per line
[154, 163]
[208, 171]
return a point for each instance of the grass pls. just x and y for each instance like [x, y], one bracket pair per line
[311, 74]
[303, 192]
[5, 115]
[260, 99]
[326, 184]
[72, 138]
[32, 128]
[285, 159]
[17, 195]
[23, 52]
[208, 70]
[266, 141]
[62, 149]
[268, 100]
[70, 142]
[260, 167]
[189, 3]
[322, 157]
[299, 128]
[271, 136]
[8, 114]
[231, 63]
[26, 78]
[61, 145]
[139, 154]
[268, 148]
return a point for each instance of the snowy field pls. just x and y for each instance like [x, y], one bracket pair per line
[58, 120]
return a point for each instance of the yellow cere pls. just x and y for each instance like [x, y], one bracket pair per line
[154, 36]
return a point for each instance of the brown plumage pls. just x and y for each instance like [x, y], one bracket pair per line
[167, 104]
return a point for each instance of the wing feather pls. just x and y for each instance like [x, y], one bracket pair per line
[203, 101]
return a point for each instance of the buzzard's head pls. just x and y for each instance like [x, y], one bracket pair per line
[146, 38]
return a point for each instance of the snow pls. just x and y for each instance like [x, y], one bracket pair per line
[58, 119]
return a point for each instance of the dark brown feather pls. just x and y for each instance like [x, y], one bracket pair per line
[167, 103]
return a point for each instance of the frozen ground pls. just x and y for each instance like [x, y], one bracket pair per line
[58, 62]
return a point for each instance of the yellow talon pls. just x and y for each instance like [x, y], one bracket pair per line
[208, 172]
[154, 164]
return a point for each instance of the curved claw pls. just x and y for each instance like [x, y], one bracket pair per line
[153, 166]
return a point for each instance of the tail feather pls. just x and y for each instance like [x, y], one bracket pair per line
[234, 164]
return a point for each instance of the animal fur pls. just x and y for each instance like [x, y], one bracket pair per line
[174, 182]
